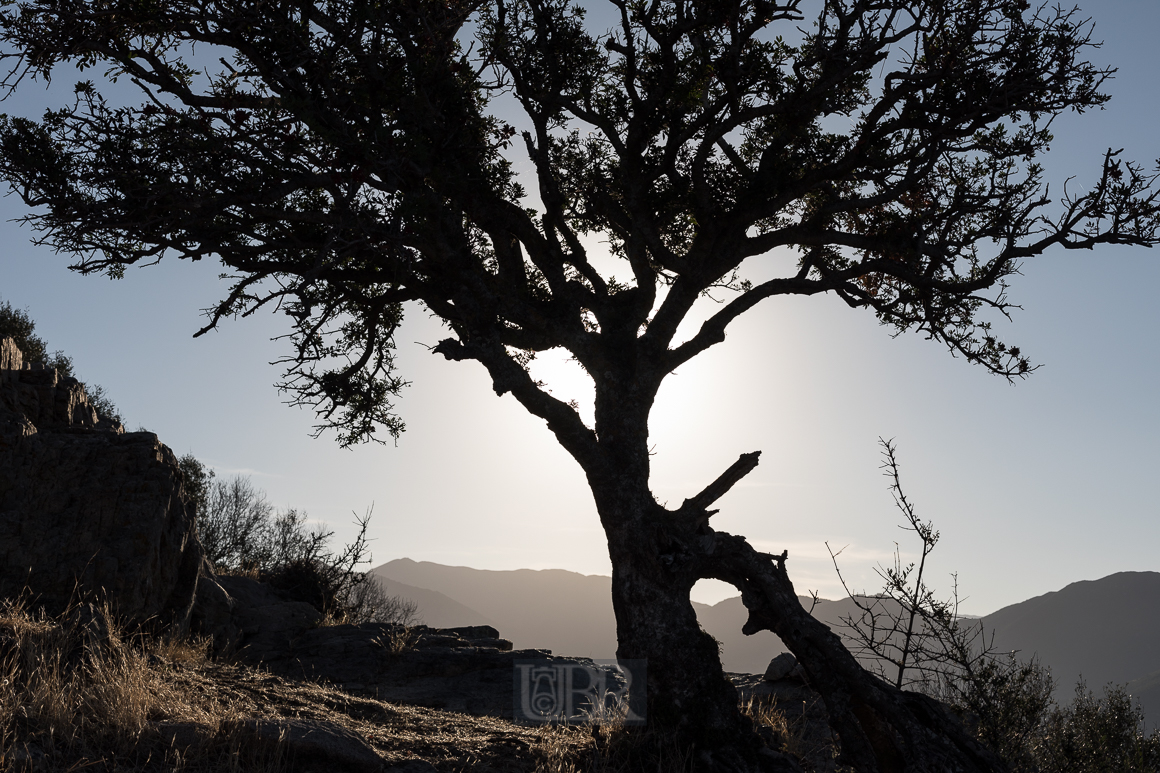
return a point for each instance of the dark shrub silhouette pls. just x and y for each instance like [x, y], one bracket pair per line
[243, 533]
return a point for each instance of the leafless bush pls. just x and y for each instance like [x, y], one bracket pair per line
[905, 632]
[919, 641]
[243, 533]
[369, 602]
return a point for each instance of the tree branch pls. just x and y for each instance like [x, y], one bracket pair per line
[744, 466]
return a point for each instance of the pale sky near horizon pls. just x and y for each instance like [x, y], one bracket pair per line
[1033, 486]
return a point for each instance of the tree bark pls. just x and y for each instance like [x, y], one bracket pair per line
[689, 695]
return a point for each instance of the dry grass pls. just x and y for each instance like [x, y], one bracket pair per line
[79, 693]
[605, 744]
[808, 740]
[785, 735]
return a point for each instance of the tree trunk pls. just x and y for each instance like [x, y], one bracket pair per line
[659, 554]
[689, 695]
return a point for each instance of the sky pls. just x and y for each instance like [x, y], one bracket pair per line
[1032, 486]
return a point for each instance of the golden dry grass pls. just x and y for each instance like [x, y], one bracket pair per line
[79, 693]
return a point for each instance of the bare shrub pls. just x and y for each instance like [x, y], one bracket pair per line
[920, 642]
[369, 602]
[242, 533]
[235, 524]
[904, 632]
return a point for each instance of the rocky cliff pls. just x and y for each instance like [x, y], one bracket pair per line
[85, 507]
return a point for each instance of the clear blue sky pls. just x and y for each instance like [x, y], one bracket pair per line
[1033, 486]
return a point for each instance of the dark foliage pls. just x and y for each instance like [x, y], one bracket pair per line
[1009, 704]
[198, 479]
[18, 325]
[347, 151]
[1094, 735]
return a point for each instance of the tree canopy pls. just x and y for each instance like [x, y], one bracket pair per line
[348, 157]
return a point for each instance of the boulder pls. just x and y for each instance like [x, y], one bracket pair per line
[780, 667]
[214, 610]
[306, 744]
[265, 621]
[86, 509]
[330, 744]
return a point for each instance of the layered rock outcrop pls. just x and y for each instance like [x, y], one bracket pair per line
[468, 669]
[87, 509]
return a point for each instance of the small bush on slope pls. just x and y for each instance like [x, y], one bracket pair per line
[243, 533]
[1010, 706]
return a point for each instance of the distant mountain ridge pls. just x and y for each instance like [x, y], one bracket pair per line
[436, 609]
[570, 613]
[1106, 630]
[536, 609]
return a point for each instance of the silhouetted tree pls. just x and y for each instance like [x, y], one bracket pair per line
[198, 479]
[347, 157]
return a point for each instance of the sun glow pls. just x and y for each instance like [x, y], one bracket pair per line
[565, 379]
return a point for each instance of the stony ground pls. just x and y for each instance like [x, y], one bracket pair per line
[78, 694]
[400, 734]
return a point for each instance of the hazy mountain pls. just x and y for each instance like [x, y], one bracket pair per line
[554, 609]
[567, 612]
[746, 654]
[1104, 630]
[751, 654]
[436, 609]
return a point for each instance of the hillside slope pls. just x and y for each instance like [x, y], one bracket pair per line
[554, 609]
[1106, 630]
[566, 612]
[435, 609]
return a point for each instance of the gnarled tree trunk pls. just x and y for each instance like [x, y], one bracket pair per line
[658, 555]
[688, 692]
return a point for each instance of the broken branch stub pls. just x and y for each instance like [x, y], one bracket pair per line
[698, 505]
